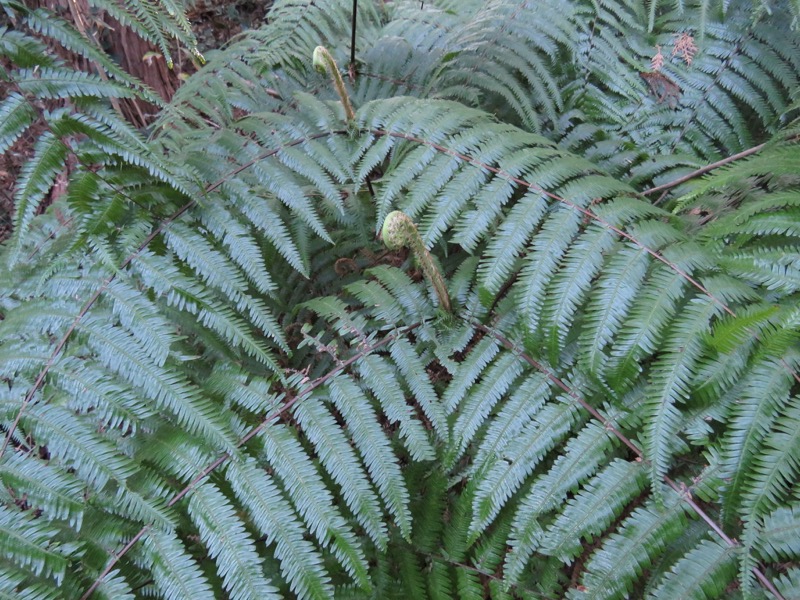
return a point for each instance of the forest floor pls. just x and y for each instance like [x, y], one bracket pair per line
[214, 23]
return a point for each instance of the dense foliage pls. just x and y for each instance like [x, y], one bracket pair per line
[215, 381]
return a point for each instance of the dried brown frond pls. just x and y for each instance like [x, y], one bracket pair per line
[685, 47]
[658, 60]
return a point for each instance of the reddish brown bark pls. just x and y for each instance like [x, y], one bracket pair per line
[146, 63]
[135, 55]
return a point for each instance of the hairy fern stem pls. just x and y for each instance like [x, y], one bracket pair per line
[399, 231]
[325, 64]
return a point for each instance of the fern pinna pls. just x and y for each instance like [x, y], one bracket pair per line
[218, 382]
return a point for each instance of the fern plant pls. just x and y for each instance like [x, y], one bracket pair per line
[218, 382]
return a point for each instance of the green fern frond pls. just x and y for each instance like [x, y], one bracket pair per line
[780, 538]
[168, 390]
[300, 563]
[510, 240]
[652, 310]
[503, 476]
[62, 83]
[626, 553]
[498, 378]
[70, 440]
[313, 501]
[229, 544]
[156, 22]
[55, 493]
[413, 371]
[506, 51]
[773, 472]
[669, 385]
[217, 381]
[582, 456]
[789, 583]
[339, 460]
[29, 543]
[730, 333]
[766, 391]
[378, 375]
[36, 180]
[175, 573]
[16, 115]
[703, 572]
[374, 448]
[592, 509]
[54, 28]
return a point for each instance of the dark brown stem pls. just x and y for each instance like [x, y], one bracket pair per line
[509, 345]
[703, 171]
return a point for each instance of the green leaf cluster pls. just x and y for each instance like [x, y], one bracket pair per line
[215, 381]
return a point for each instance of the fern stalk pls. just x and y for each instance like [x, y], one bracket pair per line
[324, 63]
[702, 171]
[398, 232]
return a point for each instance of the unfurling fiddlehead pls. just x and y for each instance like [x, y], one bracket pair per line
[324, 63]
[398, 232]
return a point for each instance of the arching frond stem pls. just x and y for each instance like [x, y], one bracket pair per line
[564, 201]
[682, 491]
[703, 171]
[131, 257]
[285, 406]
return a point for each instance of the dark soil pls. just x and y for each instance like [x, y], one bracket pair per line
[7, 176]
[216, 21]
[10, 166]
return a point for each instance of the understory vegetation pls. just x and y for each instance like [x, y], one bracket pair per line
[575, 374]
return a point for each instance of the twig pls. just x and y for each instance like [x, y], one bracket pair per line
[353, 40]
[509, 345]
[703, 170]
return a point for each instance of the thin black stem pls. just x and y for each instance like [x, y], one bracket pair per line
[353, 38]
